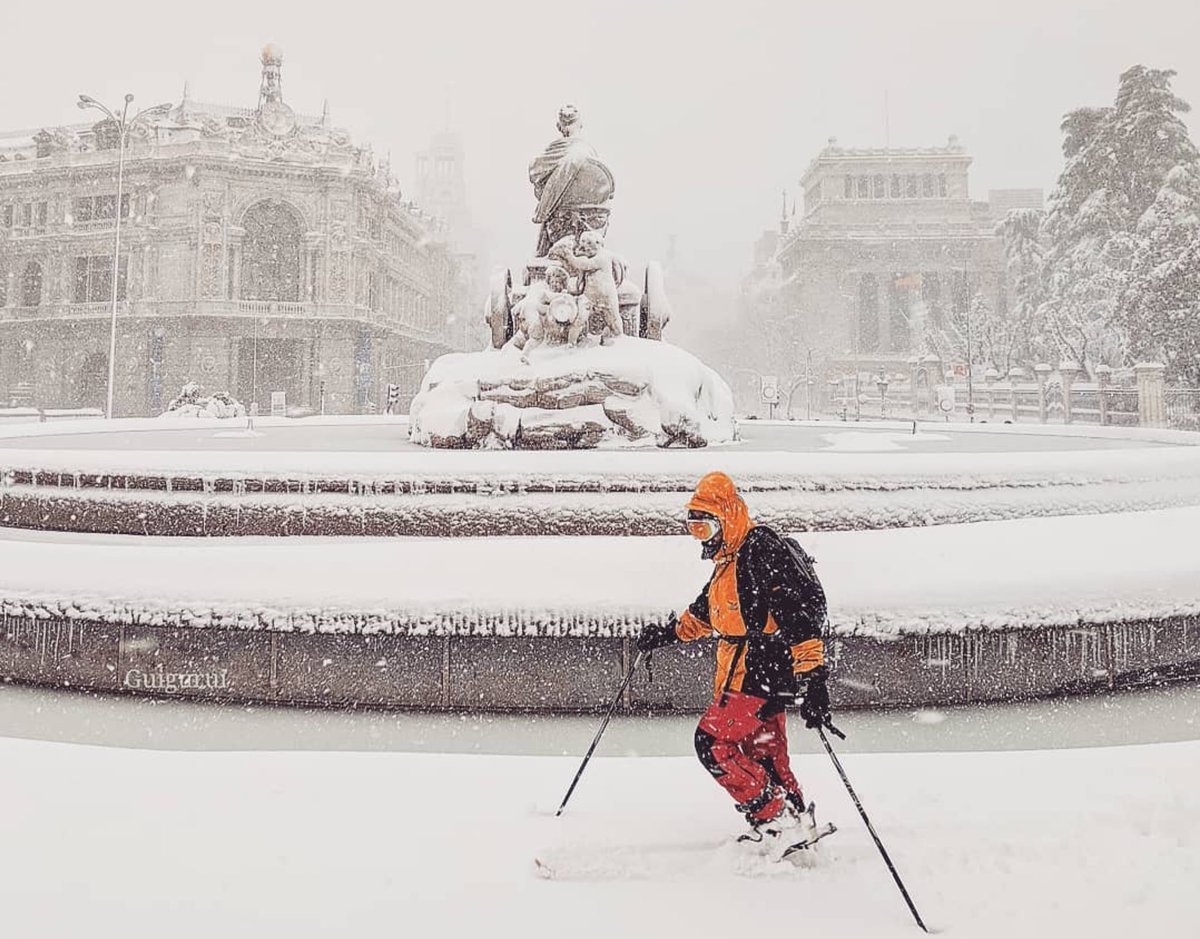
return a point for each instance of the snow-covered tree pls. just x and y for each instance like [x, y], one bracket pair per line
[1025, 275]
[978, 333]
[1162, 301]
[1148, 137]
[1117, 159]
[1085, 221]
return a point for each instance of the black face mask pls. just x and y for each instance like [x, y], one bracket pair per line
[712, 546]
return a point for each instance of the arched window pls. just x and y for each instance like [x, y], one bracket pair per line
[31, 285]
[864, 187]
[878, 191]
[868, 314]
[272, 253]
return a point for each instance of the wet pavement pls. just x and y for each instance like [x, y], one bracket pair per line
[1148, 716]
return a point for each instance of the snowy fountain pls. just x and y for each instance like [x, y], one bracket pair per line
[577, 357]
[975, 564]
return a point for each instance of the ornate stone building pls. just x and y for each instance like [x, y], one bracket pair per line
[888, 244]
[261, 250]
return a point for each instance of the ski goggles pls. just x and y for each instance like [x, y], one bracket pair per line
[703, 529]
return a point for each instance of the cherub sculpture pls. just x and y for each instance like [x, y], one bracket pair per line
[600, 272]
[548, 313]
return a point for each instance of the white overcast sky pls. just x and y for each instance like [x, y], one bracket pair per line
[704, 111]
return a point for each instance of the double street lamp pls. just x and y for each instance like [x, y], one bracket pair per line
[123, 123]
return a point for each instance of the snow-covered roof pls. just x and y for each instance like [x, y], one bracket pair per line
[953, 151]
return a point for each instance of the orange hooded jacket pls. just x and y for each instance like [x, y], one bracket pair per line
[766, 615]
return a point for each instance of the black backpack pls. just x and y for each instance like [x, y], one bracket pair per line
[806, 565]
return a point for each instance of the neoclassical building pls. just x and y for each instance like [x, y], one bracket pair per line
[261, 251]
[889, 242]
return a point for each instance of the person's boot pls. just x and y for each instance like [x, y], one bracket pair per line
[783, 833]
[768, 816]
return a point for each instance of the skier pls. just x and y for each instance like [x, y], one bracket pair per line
[768, 617]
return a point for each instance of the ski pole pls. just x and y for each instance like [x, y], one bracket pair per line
[600, 733]
[861, 811]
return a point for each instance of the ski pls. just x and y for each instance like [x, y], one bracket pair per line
[822, 832]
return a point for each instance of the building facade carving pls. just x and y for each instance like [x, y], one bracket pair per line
[242, 231]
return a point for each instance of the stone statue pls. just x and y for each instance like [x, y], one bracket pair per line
[542, 385]
[600, 272]
[548, 313]
[572, 185]
[574, 189]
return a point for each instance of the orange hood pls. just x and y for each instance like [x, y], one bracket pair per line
[717, 495]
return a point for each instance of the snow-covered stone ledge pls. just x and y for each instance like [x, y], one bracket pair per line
[920, 616]
[358, 507]
[887, 583]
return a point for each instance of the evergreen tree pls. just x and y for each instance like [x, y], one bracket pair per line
[1117, 159]
[1025, 275]
[1162, 301]
[1085, 214]
[1149, 139]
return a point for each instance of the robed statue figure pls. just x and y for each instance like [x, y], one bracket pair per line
[571, 184]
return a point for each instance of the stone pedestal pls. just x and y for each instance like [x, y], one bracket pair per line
[1152, 399]
[1069, 372]
[1042, 371]
[1016, 375]
[1103, 377]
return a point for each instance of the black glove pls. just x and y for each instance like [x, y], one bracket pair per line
[654, 635]
[814, 709]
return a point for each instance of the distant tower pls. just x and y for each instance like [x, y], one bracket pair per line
[441, 184]
[274, 117]
[272, 79]
[783, 215]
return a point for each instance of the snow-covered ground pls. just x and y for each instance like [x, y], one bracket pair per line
[1013, 574]
[380, 444]
[104, 842]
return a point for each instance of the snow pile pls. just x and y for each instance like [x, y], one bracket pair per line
[191, 403]
[634, 392]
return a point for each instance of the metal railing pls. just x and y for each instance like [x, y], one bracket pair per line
[1183, 408]
[1001, 401]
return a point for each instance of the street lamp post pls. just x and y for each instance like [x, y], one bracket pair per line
[808, 384]
[124, 123]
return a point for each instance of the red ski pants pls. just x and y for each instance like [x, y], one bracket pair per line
[746, 754]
